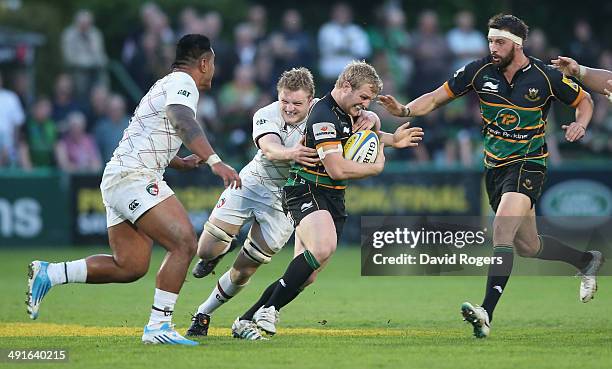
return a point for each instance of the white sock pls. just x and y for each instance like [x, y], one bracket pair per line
[223, 291]
[162, 309]
[67, 272]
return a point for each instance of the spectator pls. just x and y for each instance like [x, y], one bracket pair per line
[212, 23]
[190, 22]
[238, 100]
[84, 52]
[391, 38]
[245, 47]
[40, 132]
[108, 131]
[340, 41]
[465, 42]
[11, 120]
[537, 46]
[257, 19]
[77, 150]
[98, 104]
[583, 46]
[63, 98]
[431, 55]
[290, 47]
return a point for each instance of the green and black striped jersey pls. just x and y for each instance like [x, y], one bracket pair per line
[514, 113]
[327, 125]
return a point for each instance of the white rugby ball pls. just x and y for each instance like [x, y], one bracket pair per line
[362, 147]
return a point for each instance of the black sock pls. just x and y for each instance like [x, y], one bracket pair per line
[553, 249]
[498, 277]
[262, 300]
[290, 285]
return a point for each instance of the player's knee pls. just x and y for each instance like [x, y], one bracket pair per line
[323, 252]
[132, 271]
[526, 249]
[256, 252]
[214, 242]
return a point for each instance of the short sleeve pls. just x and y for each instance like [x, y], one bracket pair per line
[565, 89]
[461, 82]
[324, 132]
[264, 123]
[182, 90]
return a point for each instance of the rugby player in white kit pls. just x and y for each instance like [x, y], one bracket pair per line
[140, 206]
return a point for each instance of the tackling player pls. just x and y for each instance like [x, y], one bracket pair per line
[515, 92]
[278, 131]
[140, 207]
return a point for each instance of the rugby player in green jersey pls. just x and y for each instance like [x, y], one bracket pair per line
[515, 93]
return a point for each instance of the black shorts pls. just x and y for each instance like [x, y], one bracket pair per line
[303, 199]
[525, 177]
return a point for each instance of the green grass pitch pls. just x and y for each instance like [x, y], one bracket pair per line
[343, 321]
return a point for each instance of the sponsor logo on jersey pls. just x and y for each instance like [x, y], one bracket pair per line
[527, 184]
[507, 119]
[490, 87]
[323, 131]
[346, 130]
[532, 95]
[184, 93]
[133, 205]
[570, 83]
[153, 189]
[261, 122]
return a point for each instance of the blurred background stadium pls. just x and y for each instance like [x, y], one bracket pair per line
[73, 71]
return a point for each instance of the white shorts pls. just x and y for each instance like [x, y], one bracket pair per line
[129, 193]
[238, 206]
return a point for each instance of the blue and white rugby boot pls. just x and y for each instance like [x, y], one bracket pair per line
[165, 335]
[39, 285]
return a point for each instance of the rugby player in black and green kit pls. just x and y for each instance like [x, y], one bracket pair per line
[515, 93]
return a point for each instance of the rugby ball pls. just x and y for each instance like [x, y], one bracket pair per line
[362, 147]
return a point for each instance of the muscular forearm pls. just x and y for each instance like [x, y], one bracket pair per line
[584, 111]
[423, 105]
[276, 151]
[386, 138]
[597, 79]
[189, 130]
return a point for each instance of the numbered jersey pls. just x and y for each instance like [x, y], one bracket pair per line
[271, 174]
[514, 113]
[150, 141]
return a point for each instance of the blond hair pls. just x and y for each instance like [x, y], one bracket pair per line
[297, 79]
[358, 73]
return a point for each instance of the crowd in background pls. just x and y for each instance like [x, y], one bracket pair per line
[76, 126]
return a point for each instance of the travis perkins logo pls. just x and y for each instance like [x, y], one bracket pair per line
[153, 189]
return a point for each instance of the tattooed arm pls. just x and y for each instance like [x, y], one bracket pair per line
[188, 129]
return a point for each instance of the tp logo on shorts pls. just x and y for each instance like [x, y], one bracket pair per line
[221, 202]
[153, 189]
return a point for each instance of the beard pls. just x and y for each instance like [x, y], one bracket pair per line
[503, 63]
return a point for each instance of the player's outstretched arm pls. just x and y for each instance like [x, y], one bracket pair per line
[598, 80]
[188, 129]
[404, 136]
[273, 149]
[420, 106]
[340, 168]
[584, 111]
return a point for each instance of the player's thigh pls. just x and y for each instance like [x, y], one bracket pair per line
[317, 231]
[131, 247]
[526, 241]
[512, 210]
[168, 224]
